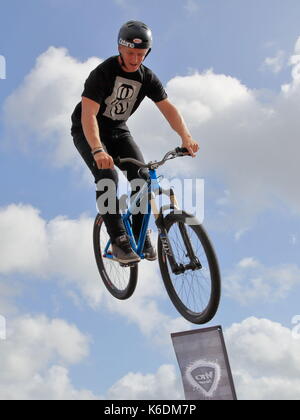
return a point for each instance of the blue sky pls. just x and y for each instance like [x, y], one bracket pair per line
[232, 68]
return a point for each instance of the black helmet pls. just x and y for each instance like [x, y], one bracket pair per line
[135, 34]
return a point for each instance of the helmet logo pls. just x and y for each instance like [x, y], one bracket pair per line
[126, 43]
[137, 41]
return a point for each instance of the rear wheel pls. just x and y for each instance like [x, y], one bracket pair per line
[194, 293]
[120, 281]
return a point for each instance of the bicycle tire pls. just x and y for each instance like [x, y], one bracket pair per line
[210, 308]
[123, 283]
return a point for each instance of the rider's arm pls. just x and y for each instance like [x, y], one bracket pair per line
[90, 127]
[89, 122]
[177, 122]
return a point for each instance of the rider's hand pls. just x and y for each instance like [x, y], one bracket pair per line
[104, 160]
[190, 144]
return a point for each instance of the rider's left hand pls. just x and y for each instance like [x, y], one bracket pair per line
[190, 144]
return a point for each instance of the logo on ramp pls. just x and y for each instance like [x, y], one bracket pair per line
[204, 376]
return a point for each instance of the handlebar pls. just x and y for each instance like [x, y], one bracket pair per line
[179, 151]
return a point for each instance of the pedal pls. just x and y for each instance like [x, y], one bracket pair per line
[128, 265]
[109, 255]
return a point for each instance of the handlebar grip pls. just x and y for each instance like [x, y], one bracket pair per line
[182, 150]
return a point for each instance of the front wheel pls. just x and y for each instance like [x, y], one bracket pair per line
[119, 281]
[194, 292]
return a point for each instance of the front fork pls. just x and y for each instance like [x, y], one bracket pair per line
[167, 250]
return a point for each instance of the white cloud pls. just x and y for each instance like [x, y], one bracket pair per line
[145, 312]
[2, 327]
[35, 356]
[71, 256]
[191, 6]
[41, 107]
[293, 239]
[243, 142]
[163, 385]
[251, 281]
[61, 247]
[294, 61]
[37, 352]
[240, 137]
[241, 233]
[265, 360]
[23, 243]
[276, 63]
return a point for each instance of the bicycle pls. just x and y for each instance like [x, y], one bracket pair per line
[187, 260]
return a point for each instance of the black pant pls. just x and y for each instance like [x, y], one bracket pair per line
[118, 143]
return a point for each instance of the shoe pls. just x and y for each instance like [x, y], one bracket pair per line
[123, 252]
[149, 250]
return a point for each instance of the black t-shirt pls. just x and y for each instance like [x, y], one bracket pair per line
[118, 93]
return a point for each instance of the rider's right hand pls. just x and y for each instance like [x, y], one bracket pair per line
[104, 161]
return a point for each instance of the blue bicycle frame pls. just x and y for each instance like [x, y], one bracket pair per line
[149, 189]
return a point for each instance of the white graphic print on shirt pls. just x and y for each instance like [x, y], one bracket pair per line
[121, 102]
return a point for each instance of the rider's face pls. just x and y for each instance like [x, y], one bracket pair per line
[133, 57]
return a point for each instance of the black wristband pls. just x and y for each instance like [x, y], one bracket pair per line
[97, 151]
